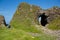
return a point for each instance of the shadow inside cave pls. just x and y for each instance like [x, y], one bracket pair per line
[43, 19]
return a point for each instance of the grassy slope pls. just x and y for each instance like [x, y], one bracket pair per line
[55, 24]
[18, 34]
[23, 18]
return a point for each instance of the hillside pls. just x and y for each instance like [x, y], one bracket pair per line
[27, 15]
[25, 24]
[26, 18]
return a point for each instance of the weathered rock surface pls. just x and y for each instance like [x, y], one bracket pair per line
[52, 13]
[2, 21]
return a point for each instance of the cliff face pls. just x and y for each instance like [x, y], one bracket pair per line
[2, 21]
[28, 14]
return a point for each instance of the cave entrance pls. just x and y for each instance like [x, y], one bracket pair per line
[42, 19]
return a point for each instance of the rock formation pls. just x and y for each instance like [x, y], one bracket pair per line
[2, 21]
[30, 13]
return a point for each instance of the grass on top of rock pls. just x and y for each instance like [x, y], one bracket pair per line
[25, 24]
[55, 24]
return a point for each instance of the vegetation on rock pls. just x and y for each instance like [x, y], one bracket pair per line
[24, 21]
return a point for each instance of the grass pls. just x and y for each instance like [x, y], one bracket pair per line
[29, 28]
[24, 24]
[15, 34]
[55, 24]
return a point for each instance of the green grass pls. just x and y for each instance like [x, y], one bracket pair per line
[55, 24]
[15, 34]
[28, 28]
[24, 24]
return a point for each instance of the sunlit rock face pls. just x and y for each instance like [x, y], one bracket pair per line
[2, 21]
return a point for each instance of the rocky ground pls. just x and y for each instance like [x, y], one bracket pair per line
[48, 31]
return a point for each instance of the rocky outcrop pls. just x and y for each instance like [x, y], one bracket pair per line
[2, 21]
[26, 12]
[32, 12]
[52, 13]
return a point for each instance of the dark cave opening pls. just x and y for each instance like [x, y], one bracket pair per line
[43, 19]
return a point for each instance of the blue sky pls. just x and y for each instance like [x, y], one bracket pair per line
[8, 7]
